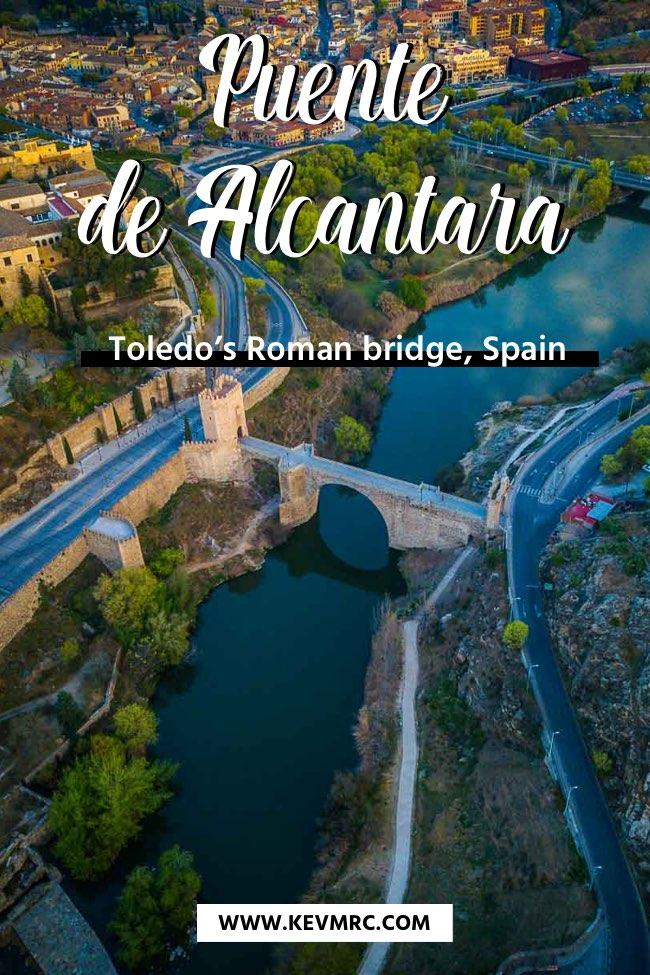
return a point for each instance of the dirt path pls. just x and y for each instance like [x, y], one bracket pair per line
[375, 956]
[245, 542]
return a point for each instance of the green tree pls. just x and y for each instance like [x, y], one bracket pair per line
[156, 908]
[184, 111]
[187, 430]
[208, 304]
[68, 713]
[411, 291]
[562, 113]
[213, 131]
[602, 763]
[30, 312]
[127, 600]
[137, 726]
[166, 560]
[610, 465]
[70, 651]
[67, 450]
[515, 634]
[137, 922]
[353, 439]
[178, 885]
[19, 385]
[100, 802]
[584, 88]
[168, 636]
[26, 286]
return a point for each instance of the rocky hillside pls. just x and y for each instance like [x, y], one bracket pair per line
[599, 613]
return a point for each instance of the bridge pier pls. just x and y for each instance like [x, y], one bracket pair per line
[298, 494]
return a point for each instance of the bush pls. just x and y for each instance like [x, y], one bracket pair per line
[411, 291]
[70, 651]
[515, 634]
[166, 560]
[68, 714]
[353, 439]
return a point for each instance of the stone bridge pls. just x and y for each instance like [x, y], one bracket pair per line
[416, 515]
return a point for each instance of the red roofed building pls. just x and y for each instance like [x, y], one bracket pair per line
[590, 510]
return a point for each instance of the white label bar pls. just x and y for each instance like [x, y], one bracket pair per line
[227, 923]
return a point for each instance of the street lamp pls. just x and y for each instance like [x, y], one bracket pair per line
[530, 668]
[549, 754]
[572, 789]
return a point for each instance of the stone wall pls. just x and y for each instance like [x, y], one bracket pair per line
[264, 388]
[19, 608]
[206, 462]
[150, 495]
[101, 425]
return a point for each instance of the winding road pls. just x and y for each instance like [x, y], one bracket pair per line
[530, 523]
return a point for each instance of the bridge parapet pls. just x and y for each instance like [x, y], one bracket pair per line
[416, 516]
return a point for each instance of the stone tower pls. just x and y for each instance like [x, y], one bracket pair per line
[223, 414]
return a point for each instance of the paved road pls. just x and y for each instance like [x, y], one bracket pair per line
[531, 523]
[618, 176]
[31, 541]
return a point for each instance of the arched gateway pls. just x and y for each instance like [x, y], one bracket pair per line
[416, 516]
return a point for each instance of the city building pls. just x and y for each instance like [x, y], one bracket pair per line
[488, 22]
[464, 65]
[26, 158]
[547, 66]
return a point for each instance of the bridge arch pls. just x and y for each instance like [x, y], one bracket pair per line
[352, 527]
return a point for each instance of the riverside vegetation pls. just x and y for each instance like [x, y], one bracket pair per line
[108, 785]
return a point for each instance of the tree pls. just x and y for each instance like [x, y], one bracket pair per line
[184, 111]
[208, 304]
[137, 726]
[352, 438]
[602, 763]
[515, 634]
[178, 885]
[584, 88]
[67, 450]
[68, 713]
[610, 465]
[100, 803]
[562, 113]
[137, 922]
[167, 636]
[213, 131]
[30, 312]
[26, 286]
[187, 430]
[70, 651]
[166, 560]
[19, 385]
[127, 600]
[390, 305]
[156, 907]
[411, 291]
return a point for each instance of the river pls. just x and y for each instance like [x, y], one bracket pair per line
[261, 716]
